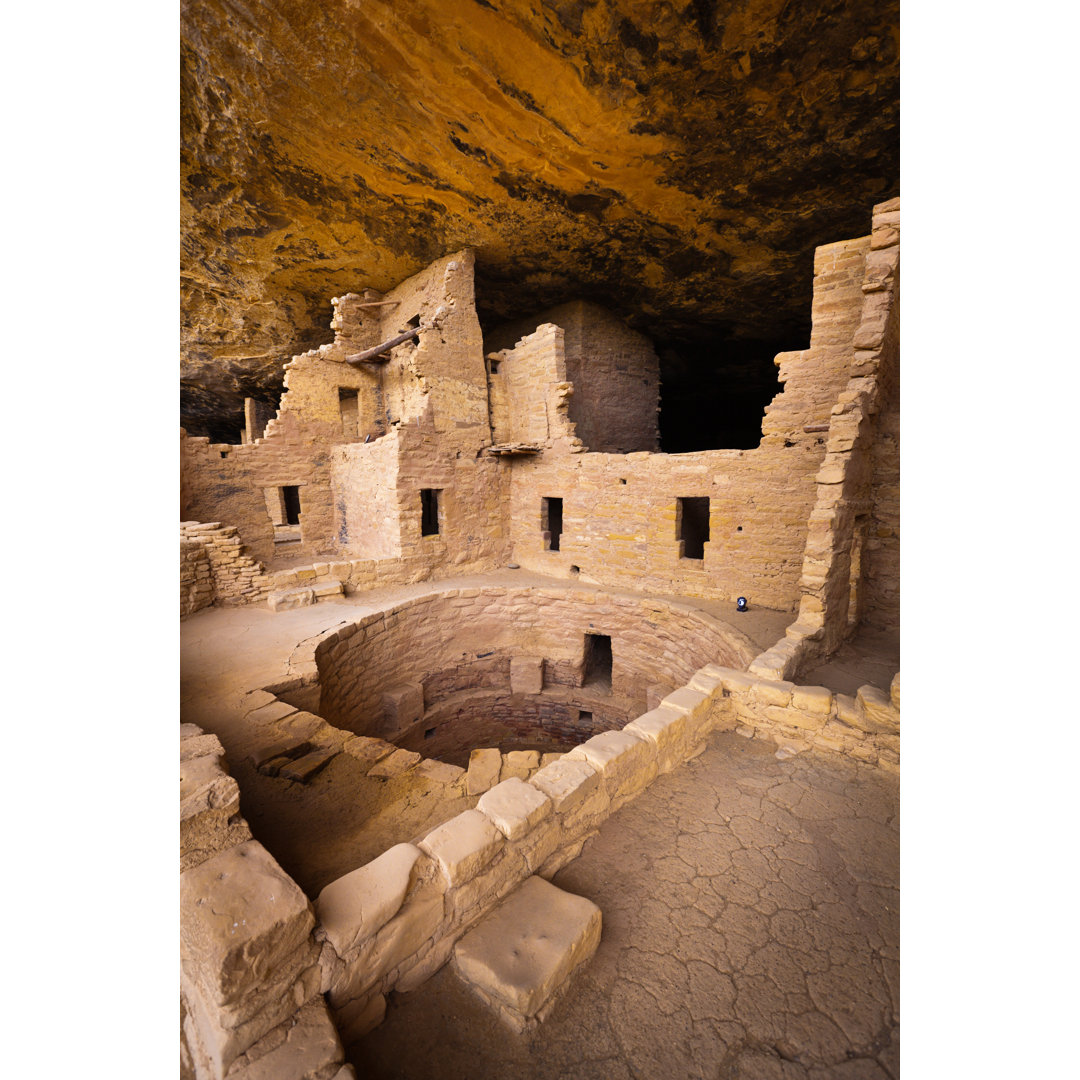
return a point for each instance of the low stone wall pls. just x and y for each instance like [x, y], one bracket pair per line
[196, 579]
[250, 1006]
[232, 576]
[392, 923]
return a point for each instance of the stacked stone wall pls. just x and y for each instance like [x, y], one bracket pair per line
[196, 580]
[232, 575]
[250, 1001]
[620, 511]
[652, 642]
[852, 550]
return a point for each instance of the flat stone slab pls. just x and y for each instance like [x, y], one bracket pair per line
[523, 954]
[398, 762]
[304, 769]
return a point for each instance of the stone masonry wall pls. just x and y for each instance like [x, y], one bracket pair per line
[393, 922]
[234, 577]
[614, 370]
[620, 511]
[855, 521]
[651, 642]
[196, 583]
[250, 1002]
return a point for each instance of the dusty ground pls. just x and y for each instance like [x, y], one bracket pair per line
[751, 931]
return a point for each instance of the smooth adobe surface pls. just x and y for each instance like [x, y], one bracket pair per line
[751, 932]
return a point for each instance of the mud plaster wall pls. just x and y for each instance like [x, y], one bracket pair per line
[615, 372]
[620, 511]
[651, 641]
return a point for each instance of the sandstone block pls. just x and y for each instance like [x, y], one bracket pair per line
[625, 761]
[519, 764]
[567, 783]
[812, 699]
[463, 845]
[894, 691]
[285, 599]
[367, 751]
[305, 1047]
[547, 759]
[526, 674]
[515, 807]
[655, 693]
[439, 772]
[767, 692]
[284, 748]
[849, 711]
[878, 711]
[403, 706]
[521, 955]
[306, 768]
[400, 761]
[210, 820]
[269, 714]
[666, 727]
[694, 705]
[195, 746]
[484, 768]
[359, 904]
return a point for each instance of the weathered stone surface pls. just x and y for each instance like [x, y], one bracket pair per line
[519, 764]
[367, 751]
[813, 699]
[667, 161]
[463, 845]
[307, 767]
[567, 783]
[398, 762]
[359, 904]
[521, 954]
[439, 771]
[526, 674]
[666, 727]
[625, 761]
[484, 768]
[878, 710]
[515, 807]
[305, 1047]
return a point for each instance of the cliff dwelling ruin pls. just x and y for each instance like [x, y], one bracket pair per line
[539, 541]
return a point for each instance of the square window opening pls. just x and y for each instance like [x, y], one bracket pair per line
[692, 527]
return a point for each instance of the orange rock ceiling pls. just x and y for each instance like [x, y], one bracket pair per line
[676, 161]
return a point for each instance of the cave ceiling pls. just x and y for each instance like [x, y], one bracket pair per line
[677, 162]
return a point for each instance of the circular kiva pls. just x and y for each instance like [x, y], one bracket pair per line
[536, 669]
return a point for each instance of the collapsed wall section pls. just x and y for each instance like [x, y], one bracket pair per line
[614, 370]
[622, 516]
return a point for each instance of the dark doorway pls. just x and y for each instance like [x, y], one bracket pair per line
[551, 522]
[692, 527]
[429, 511]
[597, 673]
[291, 497]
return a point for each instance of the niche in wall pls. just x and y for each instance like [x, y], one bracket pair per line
[350, 412]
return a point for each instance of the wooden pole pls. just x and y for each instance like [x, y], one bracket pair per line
[370, 354]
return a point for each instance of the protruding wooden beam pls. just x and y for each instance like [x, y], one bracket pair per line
[811, 428]
[375, 350]
[379, 303]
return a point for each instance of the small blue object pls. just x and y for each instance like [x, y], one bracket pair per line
[740, 604]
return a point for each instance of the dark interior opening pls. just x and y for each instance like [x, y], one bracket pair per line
[291, 497]
[414, 322]
[429, 511]
[597, 671]
[551, 522]
[714, 393]
[693, 526]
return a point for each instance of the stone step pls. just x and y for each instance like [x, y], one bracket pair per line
[304, 769]
[303, 595]
[520, 958]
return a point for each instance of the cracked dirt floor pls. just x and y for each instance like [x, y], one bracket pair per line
[751, 931]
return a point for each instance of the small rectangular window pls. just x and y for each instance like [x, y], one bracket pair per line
[551, 523]
[429, 511]
[597, 673]
[291, 498]
[692, 527]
